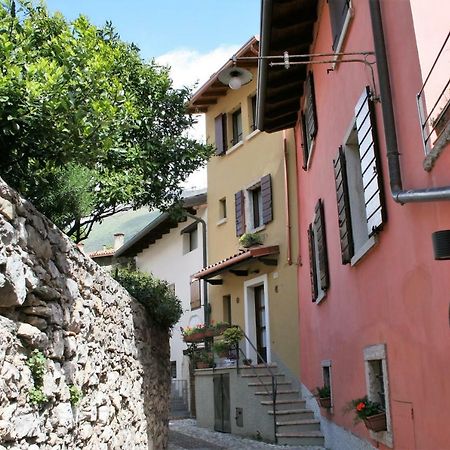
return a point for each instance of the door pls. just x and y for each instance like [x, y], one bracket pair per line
[222, 403]
[260, 322]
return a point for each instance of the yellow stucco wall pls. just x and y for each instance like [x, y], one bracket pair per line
[258, 155]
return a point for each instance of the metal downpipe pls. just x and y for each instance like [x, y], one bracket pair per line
[398, 194]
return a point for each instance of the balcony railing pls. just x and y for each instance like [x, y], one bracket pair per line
[433, 99]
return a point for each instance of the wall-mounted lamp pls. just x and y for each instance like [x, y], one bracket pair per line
[235, 77]
[441, 244]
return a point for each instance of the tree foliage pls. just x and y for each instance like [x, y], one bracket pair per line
[162, 305]
[87, 128]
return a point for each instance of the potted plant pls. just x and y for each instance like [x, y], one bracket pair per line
[250, 239]
[323, 395]
[247, 361]
[193, 334]
[221, 348]
[371, 413]
[232, 336]
[203, 359]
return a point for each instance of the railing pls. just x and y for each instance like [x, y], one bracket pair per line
[273, 394]
[179, 390]
[433, 99]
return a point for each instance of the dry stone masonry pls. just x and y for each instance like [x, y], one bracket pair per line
[105, 382]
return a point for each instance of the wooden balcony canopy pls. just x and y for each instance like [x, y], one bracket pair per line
[286, 25]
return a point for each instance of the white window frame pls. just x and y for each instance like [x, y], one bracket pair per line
[249, 219]
[378, 353]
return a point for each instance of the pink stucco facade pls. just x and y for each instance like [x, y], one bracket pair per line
[397, 294]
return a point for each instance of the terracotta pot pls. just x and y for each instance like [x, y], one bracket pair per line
[194, 337]
[377, 422]
[210, 333]
[202, 365]
[325, 402]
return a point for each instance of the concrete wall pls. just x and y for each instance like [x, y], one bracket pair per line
[95, 338]
[167, 260]
[258, 155]
[397, 294]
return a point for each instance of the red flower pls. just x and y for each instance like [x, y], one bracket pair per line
[360, 406]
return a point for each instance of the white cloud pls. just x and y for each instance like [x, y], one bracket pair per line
[192, 69]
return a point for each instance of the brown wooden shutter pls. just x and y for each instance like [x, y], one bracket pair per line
[338, 13]
[195, 294]
[312, 264]
[370, 163]
[319, 230]
[266, 193]
[221, 134]
[343, 205]
[310, 111]
[239, 203]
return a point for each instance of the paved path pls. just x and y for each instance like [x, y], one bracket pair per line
[185, 435]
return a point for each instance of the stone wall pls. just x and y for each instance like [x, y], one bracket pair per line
[95, 339]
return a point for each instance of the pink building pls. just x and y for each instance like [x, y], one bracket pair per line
[374, 301]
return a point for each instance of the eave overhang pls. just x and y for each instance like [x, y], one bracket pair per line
[255, 254]
[213, 89]
[286, 25]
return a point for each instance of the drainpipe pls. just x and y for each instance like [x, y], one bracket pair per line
[286, 200]
[398, 193]
[205, 263]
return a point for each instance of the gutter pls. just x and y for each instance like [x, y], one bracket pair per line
[399, 194]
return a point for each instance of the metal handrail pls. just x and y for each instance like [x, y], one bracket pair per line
[273, 394]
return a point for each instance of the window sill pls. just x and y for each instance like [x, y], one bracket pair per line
[363, 250]
[222, 221]
[235, 147]
[256, 230]
[252, 134]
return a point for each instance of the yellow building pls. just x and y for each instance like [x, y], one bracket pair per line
[251, 189]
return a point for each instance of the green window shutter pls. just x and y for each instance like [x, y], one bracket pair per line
[343, 206]
[372, 179]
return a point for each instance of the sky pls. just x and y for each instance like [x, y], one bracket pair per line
[194, 37]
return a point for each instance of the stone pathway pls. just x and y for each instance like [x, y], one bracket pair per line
[185, 435]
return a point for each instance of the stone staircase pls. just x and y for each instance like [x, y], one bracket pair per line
[295, 424]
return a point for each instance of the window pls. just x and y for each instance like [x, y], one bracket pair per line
[377, 384]
[318, 258]
[195, 294]
[220, 125]
[236, 121]
[227, 309]
[190, 240]
[340, 14]
[253, 207]
[252, 102]
[173, 369]
[308, 119]
[222, 208]
[326, 375]
[359, 185]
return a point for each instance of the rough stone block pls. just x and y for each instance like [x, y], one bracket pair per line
[7, 209]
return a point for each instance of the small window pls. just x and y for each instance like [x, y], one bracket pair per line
[227, 309]
[253, 113]
[318, 257]
[190, 237]
[222, 208]
[173, 369]
[339, 15]
[195, 294]
[236, 120]
[256, 206]
[308, 119]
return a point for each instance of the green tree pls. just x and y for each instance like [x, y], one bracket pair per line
[87, 128]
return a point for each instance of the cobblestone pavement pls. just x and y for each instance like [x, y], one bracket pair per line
[185, 435]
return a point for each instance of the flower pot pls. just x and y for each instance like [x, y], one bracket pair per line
[202, 365]
[377, 422]
[325, 402]
[210, 333]
[194, 337]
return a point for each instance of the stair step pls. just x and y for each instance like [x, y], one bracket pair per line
[293, 414]
[298, 425]
[279, 383]
[286, 404]
[254, 375]
[289, 391]
[301, 438]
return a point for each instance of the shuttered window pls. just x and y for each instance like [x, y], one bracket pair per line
[359, 183]
[338, 14]
[343, 203]
[309, 119]
[239, 203]
[220, 123]
[195, 294]
[318, 254]
[266, 191]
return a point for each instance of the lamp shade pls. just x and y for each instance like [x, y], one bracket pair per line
[235, 77]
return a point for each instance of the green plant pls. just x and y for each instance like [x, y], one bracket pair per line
[221, 346]
[36, 396]
[75, 394]
[37, 364]
[323, 392]
[204, 356]
[363, 408]
[162, 305]
[233, 335]
[250, 239]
